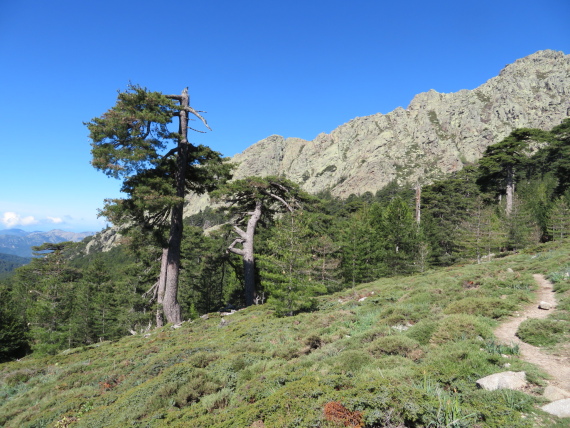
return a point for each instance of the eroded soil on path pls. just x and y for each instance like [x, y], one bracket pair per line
[557, 366]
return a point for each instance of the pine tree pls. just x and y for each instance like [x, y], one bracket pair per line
[446, 204]
[362, 247]
[504, 163]
[206, 271]
[400, 234]
[249, 201]
[289, 270]
[481, 231]
[520, 227]
[45, 289]
[131, 141]
[559, 219]
[13, 331]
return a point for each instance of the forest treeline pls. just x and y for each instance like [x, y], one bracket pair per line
[516, 196]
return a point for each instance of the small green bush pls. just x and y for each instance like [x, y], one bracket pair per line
[217, 400]
[460, 326]
[543, 332]
[394, 345]
[422, 331]
[352, 361]
[560, 279]
[483, 306]
[564, 304]
[374, 333]
[497, 348]
[502, 408]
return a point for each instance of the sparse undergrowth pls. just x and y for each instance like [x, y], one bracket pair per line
[407, 355]
[555, 329]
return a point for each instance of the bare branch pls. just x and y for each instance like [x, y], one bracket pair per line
[280, 199]
[195, 113]
[153, 290]
[170, 153]
[280, 186]
[234, 250]
[240, 232]
[197, 130]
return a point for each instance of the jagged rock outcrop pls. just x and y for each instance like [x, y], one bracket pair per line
[103, 241]
[437, 134]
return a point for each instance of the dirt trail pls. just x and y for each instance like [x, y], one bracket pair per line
[556, 366]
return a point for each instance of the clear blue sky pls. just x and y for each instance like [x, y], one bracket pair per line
[293, 68]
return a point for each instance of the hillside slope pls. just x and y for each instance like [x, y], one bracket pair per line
[397, 352]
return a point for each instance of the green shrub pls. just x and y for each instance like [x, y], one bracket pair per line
[460, 326]
[217, 400]
[502, 408]
[497, 348]
[422, 331]
[560, 279]
[352, 361]
[395, 345]
[458, 364]
[483, 306]
[374, 333]
[543, 332]
[564, 304]
[18, 376]
[202, 359]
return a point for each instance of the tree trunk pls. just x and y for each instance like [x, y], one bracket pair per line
[170, 303]
[510, 191]
[418, 203]
[248, 256]
[161, 288]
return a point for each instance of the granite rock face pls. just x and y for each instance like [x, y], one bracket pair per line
[438, 133]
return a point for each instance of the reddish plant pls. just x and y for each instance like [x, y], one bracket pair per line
[336, 412]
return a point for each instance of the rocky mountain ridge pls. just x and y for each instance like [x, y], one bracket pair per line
[20, 243]
[436, 134]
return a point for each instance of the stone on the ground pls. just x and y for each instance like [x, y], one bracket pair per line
[504, 380]
[560, 408]
[544, 305]
[553, 393]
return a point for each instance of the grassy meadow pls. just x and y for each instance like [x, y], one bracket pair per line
[398, 352]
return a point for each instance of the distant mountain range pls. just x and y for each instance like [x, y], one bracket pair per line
[19, 242]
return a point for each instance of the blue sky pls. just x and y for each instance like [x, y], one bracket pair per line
[294, 68]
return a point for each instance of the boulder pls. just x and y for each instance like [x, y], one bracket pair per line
[553, 393]
[560, 408]
[504, 380]
[544, 305]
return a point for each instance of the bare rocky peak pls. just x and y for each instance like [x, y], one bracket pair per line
[437, 134]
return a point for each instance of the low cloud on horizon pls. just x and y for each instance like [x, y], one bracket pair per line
[11, 219]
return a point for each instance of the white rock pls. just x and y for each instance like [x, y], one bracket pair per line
[504, 380]
[560, 408]
[553, 393]
[544, 305]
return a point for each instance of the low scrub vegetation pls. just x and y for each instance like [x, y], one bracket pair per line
[407, 355]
